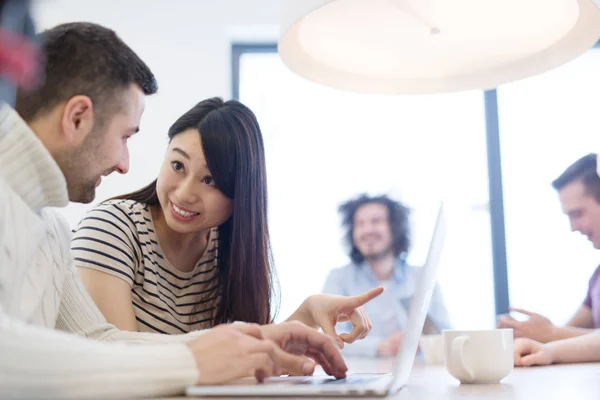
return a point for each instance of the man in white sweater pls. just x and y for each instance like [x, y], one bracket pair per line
[67, 135]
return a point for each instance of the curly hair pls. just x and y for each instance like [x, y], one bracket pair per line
[398, 220]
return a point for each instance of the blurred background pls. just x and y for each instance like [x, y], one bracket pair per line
[324, 146]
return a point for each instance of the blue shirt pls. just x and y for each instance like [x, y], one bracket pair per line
[389, 311]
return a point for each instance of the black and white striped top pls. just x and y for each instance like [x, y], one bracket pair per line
[118, 238]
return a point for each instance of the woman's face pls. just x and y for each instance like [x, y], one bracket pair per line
[188, 197]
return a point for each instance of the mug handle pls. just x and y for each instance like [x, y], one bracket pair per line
[458, 346]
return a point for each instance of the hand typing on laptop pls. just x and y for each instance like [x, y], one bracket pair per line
[302, 344]
[232, 351]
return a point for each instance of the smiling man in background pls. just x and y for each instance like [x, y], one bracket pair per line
[378, 236]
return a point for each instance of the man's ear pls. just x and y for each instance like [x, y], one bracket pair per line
[77, 120]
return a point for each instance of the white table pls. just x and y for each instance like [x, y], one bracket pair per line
[564, 382]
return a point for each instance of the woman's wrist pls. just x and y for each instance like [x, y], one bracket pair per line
[303, 313]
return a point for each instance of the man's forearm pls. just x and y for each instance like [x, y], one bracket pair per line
[42, 363]
[567, 332]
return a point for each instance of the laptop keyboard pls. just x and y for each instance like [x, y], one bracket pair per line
[353, 380]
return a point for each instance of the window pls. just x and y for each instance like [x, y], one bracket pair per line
[324, 146]
[546, 123]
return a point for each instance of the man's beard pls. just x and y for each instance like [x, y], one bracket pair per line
[82, 189]
[379, 255]
[86, 193]
[77, 166]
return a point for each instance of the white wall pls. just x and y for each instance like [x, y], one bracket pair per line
[186, 43]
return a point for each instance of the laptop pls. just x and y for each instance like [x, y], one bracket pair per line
[354, 385]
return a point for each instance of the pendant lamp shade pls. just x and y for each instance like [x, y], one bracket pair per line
[432, 46]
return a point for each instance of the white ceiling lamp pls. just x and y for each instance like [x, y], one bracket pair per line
[431, 46]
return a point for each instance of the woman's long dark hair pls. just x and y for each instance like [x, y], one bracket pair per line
[234, 151]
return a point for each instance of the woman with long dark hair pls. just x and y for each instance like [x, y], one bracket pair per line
[191, 249]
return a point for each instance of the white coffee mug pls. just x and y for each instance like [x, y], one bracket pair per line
[432, 348]
[484, 356]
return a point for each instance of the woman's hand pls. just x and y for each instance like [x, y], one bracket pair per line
[529, 352]
[325, 310]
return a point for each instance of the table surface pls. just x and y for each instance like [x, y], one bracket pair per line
[573, 381]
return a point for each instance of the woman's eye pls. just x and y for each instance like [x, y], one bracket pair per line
[208, 180]
[177, 166]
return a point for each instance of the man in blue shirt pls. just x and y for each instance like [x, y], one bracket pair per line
[378, 237]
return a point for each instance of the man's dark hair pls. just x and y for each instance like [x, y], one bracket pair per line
[398, 219]
[583, 170]
[85, 59]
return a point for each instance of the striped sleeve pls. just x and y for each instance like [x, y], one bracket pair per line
[106, 240]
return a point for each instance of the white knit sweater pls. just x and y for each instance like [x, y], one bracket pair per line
[41, 295]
